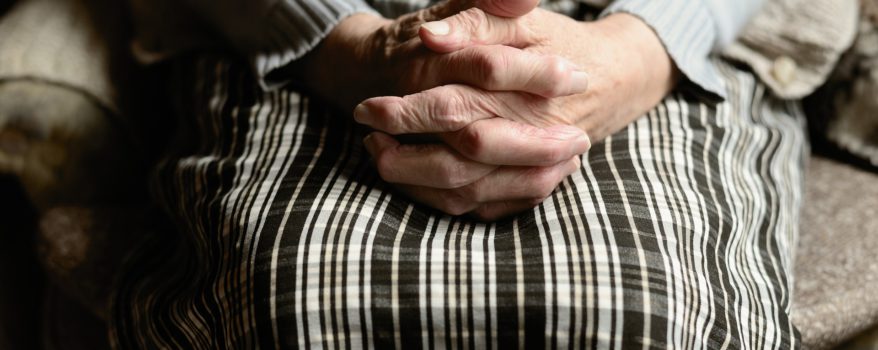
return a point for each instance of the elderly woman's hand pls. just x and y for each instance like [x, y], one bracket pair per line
[630, 72]
[367, 55]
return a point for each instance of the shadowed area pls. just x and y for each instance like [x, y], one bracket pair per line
[21, 275]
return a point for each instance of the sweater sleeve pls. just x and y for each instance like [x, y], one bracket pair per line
[691, 31]
[274, 33]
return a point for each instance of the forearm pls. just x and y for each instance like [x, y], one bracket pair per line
[274, 33]
[691, 30]
[636, 74]
[343, 67]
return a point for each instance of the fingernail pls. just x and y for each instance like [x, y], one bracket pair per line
[580, 140]
[584, 142]
[579, 81]
[437, 27]
[362, 115]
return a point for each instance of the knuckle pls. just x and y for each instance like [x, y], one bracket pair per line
[472, 19]
[469, 192]
[556, 73]
[554, 154]
[489, 67]
[453, 205]
[472, 142]
[507, 8]
[454, 174]
[441, 10]
[384, 163]
[543, 183]
[449, 108]
[454, 109]
[454, 121]
[387, 115]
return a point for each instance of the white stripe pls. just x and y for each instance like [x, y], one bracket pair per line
[342, 291]
[437, 280]
[561, 262]
[276, 247]
[492, 285]
[423, 302]
[356, 253]
[449, 281]
[480, 265]
[314, 230]
[519, 284]
[644, 284]
[606, 254]
[394, 276]
[549, 287]
[367, 268]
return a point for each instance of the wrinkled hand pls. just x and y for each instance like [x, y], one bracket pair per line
[630, 73]
[366, 55]
[499, 166]
[471, 182]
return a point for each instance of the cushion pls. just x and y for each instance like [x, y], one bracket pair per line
[835, 271]
[58, 101]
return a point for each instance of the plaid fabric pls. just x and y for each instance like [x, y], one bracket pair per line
[677, 232]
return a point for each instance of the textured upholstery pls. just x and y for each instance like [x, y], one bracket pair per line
[836, 272]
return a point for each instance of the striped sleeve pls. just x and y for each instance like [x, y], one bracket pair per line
[274, 33]
[297, 27]
[691, 31]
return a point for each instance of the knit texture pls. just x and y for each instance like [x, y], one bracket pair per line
[810, 35]
[54, 41]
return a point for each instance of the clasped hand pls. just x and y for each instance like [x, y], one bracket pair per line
[503, 92]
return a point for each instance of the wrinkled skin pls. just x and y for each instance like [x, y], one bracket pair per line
[506, 92]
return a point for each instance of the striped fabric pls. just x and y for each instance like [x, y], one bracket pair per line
[295, 27]
[677, 232]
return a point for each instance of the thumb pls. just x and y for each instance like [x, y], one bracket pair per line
[473, 27]
[507, 8]
[500, 8]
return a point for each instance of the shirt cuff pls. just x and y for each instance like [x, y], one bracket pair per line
[686, 29]
[295, 27]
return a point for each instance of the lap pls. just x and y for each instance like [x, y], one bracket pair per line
[676, 232]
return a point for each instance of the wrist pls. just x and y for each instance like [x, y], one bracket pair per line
[340, 68]
[648, 54]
